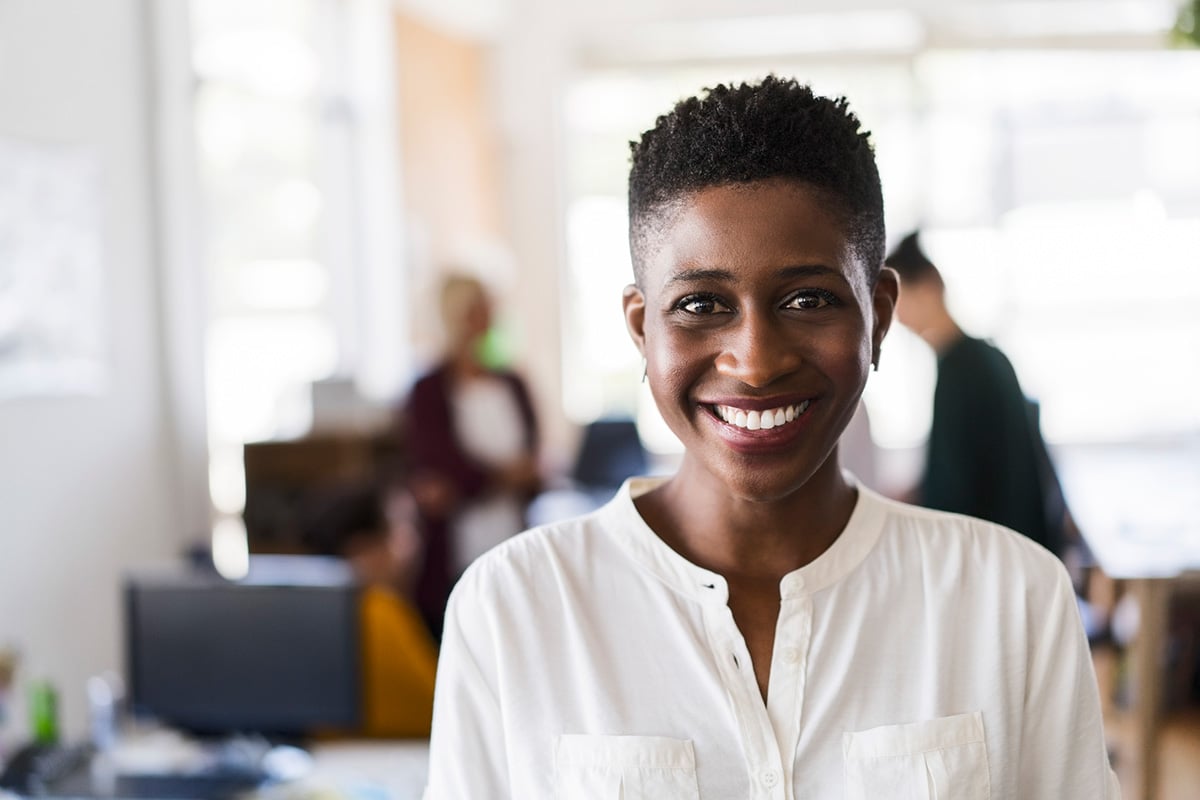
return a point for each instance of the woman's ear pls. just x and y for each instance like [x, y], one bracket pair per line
[634, 303]
[883, 300]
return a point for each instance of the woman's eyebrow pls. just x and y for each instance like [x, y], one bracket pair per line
[809, 270]
[691, 275]
[796, 271]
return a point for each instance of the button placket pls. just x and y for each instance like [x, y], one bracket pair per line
[758, 741]
[788, 680]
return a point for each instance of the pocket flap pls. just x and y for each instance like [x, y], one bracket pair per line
[915, 737]
[636, 752]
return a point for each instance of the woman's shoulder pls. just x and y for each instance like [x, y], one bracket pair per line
[509, 376]
[432, 381]
[963, 541]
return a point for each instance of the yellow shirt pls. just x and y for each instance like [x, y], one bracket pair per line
[399, 661]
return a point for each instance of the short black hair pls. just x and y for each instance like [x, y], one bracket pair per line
[910, 261]
[774, 129]
[341, 515]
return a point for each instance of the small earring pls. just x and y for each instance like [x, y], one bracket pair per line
[643, 370]
[875, 362]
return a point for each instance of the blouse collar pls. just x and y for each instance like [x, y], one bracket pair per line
[850, 548]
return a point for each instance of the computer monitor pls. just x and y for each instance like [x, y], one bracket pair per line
[277, 653]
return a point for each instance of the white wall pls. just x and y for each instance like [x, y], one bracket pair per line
[90, 486]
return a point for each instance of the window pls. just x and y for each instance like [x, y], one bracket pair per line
[1058, 191]
[292, 113]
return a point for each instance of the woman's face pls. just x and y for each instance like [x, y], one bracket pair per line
[478, 317]
[758, 326]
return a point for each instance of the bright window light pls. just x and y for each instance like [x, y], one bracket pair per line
[1059, 192]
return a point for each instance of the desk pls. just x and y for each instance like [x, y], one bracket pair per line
[1154, 599]
[366, 770]
[334, 770]
[1139, 511]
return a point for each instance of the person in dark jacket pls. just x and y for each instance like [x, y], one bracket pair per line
[472, 436]
[986, 456]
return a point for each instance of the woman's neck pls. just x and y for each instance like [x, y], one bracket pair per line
[941, 333]
[765, 539]
[463, 363]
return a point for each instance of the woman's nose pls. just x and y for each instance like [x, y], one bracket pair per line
[757, 352]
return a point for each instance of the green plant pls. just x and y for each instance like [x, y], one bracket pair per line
[1187, 25]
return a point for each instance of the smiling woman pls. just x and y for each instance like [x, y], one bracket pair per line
[759, 624]
[753, 299]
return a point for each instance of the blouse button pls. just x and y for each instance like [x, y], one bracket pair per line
[770, 778]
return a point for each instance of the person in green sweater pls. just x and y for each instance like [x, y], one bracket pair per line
[986, 457]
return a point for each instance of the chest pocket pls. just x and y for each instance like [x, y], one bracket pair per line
[624, 768]
[938, 759]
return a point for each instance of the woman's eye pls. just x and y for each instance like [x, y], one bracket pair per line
[701, 304]
[811, 300]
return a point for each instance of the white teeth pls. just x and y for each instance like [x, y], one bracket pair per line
[760, 420]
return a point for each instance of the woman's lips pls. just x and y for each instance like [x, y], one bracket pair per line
[744, 430]
[765, 419]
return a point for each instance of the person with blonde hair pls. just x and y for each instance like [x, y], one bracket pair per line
[472, 436]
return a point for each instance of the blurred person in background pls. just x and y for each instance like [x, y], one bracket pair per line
[472, 436]
[376, 533]
[986, 457]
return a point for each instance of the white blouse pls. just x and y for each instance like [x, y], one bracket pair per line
[923, 655]
[490, 429]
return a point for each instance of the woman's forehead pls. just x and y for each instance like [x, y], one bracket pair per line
[745, 228]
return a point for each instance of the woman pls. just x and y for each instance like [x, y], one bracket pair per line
[472, 437]
[760, 625]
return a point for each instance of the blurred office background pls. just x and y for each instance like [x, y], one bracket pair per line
[223, 222]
